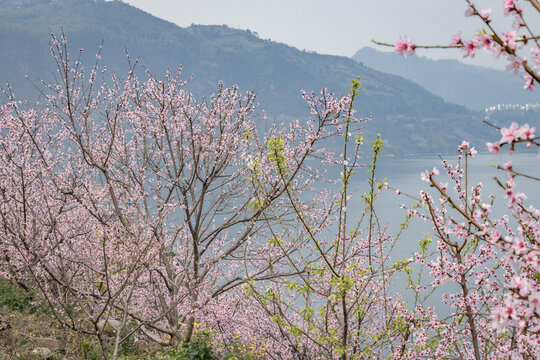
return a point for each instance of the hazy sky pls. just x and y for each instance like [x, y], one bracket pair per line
[338, 27]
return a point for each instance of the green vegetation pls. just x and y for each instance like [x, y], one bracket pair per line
[26, 326]
[403, 112]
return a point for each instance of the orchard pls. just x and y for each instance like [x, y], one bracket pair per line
[129, 203]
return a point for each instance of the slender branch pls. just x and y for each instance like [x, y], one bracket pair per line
[536, 4]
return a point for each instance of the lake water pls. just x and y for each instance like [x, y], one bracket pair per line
[403, 173]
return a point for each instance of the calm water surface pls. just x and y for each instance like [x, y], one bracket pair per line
[403, 173]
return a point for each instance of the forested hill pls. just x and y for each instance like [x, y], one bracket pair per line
[407, 116]
[475, 87]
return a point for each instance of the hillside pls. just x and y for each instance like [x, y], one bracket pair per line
[406, 115]
[475, 87]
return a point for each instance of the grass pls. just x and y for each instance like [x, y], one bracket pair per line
[25, 320]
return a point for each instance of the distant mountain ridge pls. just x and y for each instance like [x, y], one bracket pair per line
[408, 116]
[475, 87]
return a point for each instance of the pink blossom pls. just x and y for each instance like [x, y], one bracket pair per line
[513, 196]
[496, 50]
[511, 8]
[509, 311]
[509, 39]
[411, 47]
[470, 11]
[456, 40]
[518, 246]
[469, 47]
[515, 64]
[536, 56]
[526, 132]
[499, 319]
[529, 82]
[520, 285]
[484, 14]
[401, 48]
[464, 145]
[516, 25]
[484, 41]
[508, 6]
[510, 134]
[535, 300]
[424, 175]
[405, 48]
[493, 147]
[495, 236]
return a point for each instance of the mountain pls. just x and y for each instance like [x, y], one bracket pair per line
[475, 87]
[410, 119]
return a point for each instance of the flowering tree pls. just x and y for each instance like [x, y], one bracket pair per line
[133, 204]
[339, 305]
[492, 261]
[519, 44]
